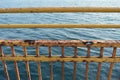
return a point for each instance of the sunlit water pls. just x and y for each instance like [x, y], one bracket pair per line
[60, 34]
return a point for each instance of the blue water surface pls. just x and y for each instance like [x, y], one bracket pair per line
[60, 34]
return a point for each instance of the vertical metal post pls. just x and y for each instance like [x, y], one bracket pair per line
[87, 63]
[15, 63]
[99, 64]
[62, 63]
[39, 66]
[75, 63]
[112, 64]
[27, 63]
[4, 64]
[51, 68]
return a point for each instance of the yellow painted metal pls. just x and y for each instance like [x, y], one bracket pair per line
[58, 58]
[59, 25]
[59, 43]
[59, 9]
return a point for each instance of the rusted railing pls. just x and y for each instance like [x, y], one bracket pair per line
[59, 43]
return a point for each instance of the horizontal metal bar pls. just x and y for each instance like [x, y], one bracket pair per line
[58, 58]
[59, 9]
[70, 43]
[59, 25]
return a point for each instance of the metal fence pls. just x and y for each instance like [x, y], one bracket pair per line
[59, 43]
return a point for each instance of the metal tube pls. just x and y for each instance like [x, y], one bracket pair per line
[99, 64]
[59, 59]
[59, 25]
[51, 65]
[38, 63]
[65, 43]
[62, 56]
[59, 9]
[4, 64]
[112, 64]
[15, 63]
[87, 64]
[75, 64]
[27, 63]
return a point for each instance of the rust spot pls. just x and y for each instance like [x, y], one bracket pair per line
[88, 43]
[98, 42]
[92, 61]
[84, 60]
[31, 11]
[74, 57]
[29, 41]
[15, 44]
[62, 57]
[72, 61]
[49, 56]
[58, 60]
[37, 43]
[63, 61]
[103, 61]
[2, 43]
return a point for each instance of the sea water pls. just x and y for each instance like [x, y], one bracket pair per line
[60, 34]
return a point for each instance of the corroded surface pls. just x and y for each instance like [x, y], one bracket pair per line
[59, 59]
[78, 43]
